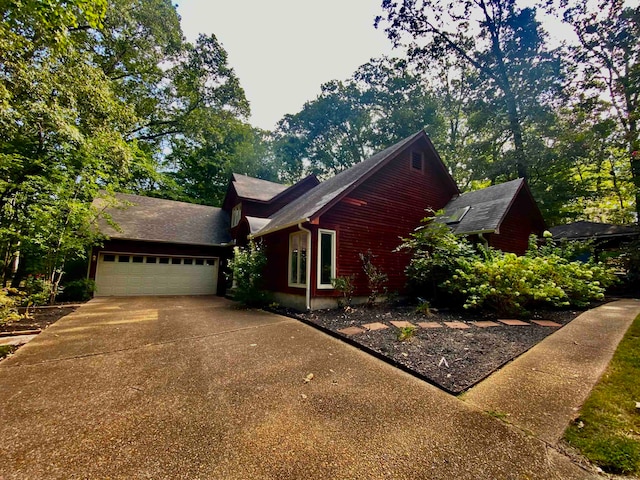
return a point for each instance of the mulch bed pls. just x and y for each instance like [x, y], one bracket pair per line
[452, 359]
[39, 318]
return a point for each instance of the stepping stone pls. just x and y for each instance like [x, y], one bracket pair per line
[402, 324]
[546, 323]
[375, 326]
[351, 330]
[459, 325]
[429, 325]
[485, 324]
[514, 323]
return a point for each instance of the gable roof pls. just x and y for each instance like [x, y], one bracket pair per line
[332, 190]
[256, 188]
[487, 208]
[157, 220]
[583, 230]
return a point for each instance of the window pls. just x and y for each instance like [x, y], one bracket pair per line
[236, 215]
[123, 258]
[109, 258]
[416, 161]
[458, 215]
[188, 261]
[164, 260]
[151, 259]
[176, 261]
[211, 261]
[137, 259]
[298, 259]
[199, 261]
[326, 258]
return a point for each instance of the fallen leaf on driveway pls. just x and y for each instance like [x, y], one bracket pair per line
[308, 378]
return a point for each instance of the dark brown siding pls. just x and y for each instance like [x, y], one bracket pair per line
[387, 206]
[128, 246]
[521, 221]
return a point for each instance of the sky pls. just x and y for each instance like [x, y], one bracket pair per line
[283, 50]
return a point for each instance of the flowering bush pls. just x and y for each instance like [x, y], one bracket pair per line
[488, 279]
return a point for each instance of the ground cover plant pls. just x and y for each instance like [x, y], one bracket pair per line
[607, 431]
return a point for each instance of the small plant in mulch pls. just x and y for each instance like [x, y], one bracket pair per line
[376, 278]
[424, 308]
[6, 350]
[345, 285]
[406, 333]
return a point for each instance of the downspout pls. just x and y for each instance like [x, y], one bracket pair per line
[486, 245]
[308, 264]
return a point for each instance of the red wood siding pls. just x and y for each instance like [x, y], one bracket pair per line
[128, 246]
[521, 221]
[388, 205]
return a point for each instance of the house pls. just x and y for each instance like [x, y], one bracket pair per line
[502, 216]
[604, 236]
[160, 247]
[311, 231]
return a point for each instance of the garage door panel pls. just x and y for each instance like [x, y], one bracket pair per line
[177, 277]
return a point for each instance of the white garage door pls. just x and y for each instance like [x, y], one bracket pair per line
[121, 275]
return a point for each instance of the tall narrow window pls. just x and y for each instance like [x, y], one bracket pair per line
[298, 259]
[236, 215]
[326, 258]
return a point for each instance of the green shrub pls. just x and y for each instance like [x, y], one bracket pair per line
[9, 302]
[37, 290]
[246, 267]
[508, 284]
[436, 254]
[78, 290]
[346, 287]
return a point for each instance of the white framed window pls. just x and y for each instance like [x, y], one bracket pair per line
[298, 259]
[326, 258]
[236, 215]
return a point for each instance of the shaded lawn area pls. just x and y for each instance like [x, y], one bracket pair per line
[607, 431]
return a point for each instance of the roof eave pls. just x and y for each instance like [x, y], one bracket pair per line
[146, 240]
[277, 229]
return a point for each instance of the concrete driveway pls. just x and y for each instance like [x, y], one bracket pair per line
[191, 387]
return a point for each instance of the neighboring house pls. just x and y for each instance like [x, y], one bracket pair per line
[605, 236]
[502, 216]
[313, 232]
[160, 247]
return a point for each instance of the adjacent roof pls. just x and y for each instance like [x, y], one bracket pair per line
[156, 220]
[325, 194]
[583, 230]
[256, 188]
[486, 208]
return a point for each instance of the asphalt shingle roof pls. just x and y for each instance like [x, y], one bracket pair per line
[315, 200]
[256, 188]
[584, 229]
[487, 207]
[157, 220]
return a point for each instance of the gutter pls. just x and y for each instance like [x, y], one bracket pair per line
[309, 259]
[288, 225]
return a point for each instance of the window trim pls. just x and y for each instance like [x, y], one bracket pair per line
[332, 234]
[303, 235]
[236, 215]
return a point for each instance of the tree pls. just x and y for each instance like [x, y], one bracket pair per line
[383, 102]
[516, 74]
[609, 52]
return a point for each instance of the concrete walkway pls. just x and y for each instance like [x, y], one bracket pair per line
[542, 390]
[193, 388]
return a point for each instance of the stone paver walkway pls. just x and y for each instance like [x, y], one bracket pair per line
[358, 330]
